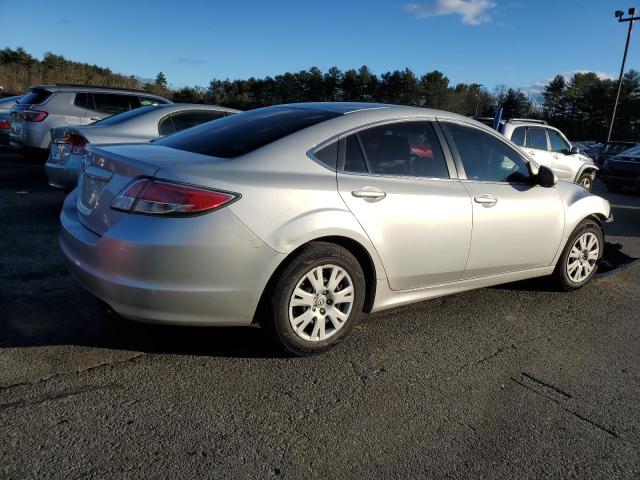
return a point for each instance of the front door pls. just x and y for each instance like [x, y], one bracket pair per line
[516, 225]
[397, 182]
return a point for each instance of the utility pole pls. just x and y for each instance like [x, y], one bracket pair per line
[478, 86]
[632, 18]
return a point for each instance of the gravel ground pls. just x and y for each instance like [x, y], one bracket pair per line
[510, 382]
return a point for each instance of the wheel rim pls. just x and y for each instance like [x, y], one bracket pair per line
[321, 303]
[583, 257]
[586, 183]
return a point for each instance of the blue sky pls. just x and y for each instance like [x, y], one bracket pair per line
[513, 42]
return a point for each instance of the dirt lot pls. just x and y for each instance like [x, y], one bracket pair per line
[515, 381]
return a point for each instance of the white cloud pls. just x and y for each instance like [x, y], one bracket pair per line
[538, 86]
[472, 12]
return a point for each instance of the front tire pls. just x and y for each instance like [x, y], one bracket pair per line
[579, 260]
[316, 300]
[586, 182]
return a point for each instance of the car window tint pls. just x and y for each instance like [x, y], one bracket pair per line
[537, 138]
[236, 135]
[184, 120]
[165, 127]
[328, 155]
[35, 97]
[80, 100]
[518, 136]
[558, 143]
[484, 157]
[353, 158]
[111, 103]
[407, 149]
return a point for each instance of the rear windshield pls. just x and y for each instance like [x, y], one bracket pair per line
[245, 132]
[616, 147]
[121, 117]
[35, 97]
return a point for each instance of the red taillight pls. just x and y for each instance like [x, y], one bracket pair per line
[76, 142]
[4, 124]
[154, 197]
[33, 115]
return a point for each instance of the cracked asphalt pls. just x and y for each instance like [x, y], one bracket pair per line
[510, 382]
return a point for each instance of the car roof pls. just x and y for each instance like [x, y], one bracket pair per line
[92, 88]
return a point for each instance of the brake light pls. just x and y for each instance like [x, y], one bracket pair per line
[33, 115]
[76, 142]
[155, 197]
[4, 124]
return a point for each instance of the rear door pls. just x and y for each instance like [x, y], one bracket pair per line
[517, 225]
[403, 189]
[537, 145]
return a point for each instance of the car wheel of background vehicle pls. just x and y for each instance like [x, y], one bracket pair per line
[316, 300]
[585, 181]
[579, 260]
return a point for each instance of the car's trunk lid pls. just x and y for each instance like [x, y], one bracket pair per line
[107, 170]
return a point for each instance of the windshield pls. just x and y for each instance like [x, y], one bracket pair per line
[121, 117]
[239, 134]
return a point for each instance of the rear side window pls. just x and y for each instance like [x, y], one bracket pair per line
[328, 155]
[537, 138]
[81, 100]
[518, 136]
[353, 158]
[35, 97]
[184, 120]
[558, 144]
[124, 116]
[240, 134]
[112, 103]
[407, 149]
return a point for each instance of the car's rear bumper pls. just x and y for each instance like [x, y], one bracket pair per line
[207, 270]
[63, 175]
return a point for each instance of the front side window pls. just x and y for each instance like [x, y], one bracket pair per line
[537, 138]
[558, 144]
[407, 149]
[518, 136]
[484, 157]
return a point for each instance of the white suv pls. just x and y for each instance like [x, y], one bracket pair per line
[548, 146]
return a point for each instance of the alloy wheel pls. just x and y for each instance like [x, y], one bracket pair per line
[321, 303]
[586, 183]
[583, 257]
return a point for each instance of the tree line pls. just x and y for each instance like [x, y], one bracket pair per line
[581, 105]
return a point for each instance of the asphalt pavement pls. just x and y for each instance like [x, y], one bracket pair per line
[516, 381]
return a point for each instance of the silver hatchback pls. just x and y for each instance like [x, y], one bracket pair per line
[301, 216]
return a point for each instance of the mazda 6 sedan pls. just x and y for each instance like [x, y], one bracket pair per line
[299, 217]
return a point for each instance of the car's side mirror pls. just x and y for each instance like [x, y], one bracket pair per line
[546, 177]
[574, 150]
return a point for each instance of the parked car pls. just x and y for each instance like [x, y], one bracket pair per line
[301, 216]
[143, 124]
[550, 147]
[5, 119]
[622, 170]
[610, 149]
[48, 106]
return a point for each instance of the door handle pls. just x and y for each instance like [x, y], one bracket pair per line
[532, 153]
[369, 194]
[95, 119]
[486, 201]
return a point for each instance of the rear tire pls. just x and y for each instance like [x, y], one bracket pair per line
[579, 260]
[316, 300]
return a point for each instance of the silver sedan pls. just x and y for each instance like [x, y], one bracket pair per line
[302, 216]
[69, 144]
